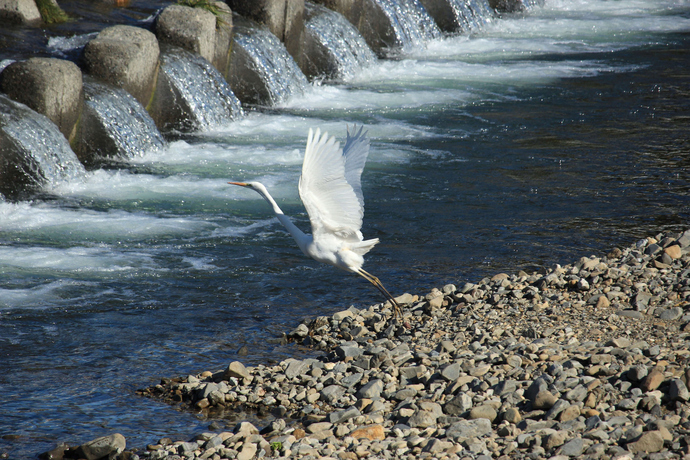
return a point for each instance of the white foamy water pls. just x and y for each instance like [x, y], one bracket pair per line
[62, 224]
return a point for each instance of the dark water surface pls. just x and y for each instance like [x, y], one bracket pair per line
[540, 140]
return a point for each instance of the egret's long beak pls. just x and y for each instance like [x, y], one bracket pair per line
[241, 184]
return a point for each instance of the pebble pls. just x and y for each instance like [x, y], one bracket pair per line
[589, 359]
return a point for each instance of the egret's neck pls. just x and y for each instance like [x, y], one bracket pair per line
[300, 237]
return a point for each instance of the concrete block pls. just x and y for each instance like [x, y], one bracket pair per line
[126, 57]
[193, 29]
[19, 12]
[284, 18]
[52, 87]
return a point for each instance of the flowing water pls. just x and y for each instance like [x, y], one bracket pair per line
[50, 157]
[345, 45]
[472, 15]
[271, 61]
[124, 121]
[412, 25]
[545, 137]
[207, 96]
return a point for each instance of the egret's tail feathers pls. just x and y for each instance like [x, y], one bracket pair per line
[363, 247]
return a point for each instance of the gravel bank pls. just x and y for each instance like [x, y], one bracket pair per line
[589, 360]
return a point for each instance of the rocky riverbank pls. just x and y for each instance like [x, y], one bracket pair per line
[589, 360]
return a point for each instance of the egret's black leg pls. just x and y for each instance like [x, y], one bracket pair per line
[397, 311]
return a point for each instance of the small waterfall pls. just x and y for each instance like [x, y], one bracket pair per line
[412, 24]
[34, 151]
[471, 15]
[266, 56]
[346, 49]
[67, 47]
[126, 128]
[208, 98]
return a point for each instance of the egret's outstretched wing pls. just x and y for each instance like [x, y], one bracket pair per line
[331, 202]
[355, 152]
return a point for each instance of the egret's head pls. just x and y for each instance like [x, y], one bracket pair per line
[258, 186]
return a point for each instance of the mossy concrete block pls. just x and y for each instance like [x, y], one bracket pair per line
[52, 87]
[19, 12]
[126, 57]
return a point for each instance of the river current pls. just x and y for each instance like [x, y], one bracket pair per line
[539, 139]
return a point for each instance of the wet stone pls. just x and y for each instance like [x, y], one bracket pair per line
[469, 429]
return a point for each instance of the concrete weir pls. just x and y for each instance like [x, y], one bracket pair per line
[129, 58]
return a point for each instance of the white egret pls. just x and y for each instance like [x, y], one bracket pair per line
[331, 190]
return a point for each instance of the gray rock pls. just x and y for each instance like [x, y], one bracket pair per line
[348, 351]
[579, 393]
[214, 442]
[343, 415]
[653, 351]
[678, 391]
[295, 368]
[628, 404]
[405, 393]
[106, 446]
[572, 448]
[351, 380]
[554, 439]
[412, 372]
[187, 447]
[630, 314]
[423, 419]
[436, 446]
[651, 441]
[544, 400]
[505, 387]
[458, 405]
[332, 393]
[300, 331]
[671, 314]
[483, 411]
[557, 408]
[371, 389]
[536, 387]
[465, 429]
[451, 372]
[641, 301]
[236, 369]
[637, 373]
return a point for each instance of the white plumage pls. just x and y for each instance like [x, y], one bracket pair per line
[331, 190]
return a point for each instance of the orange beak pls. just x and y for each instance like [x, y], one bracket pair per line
[241, 184]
